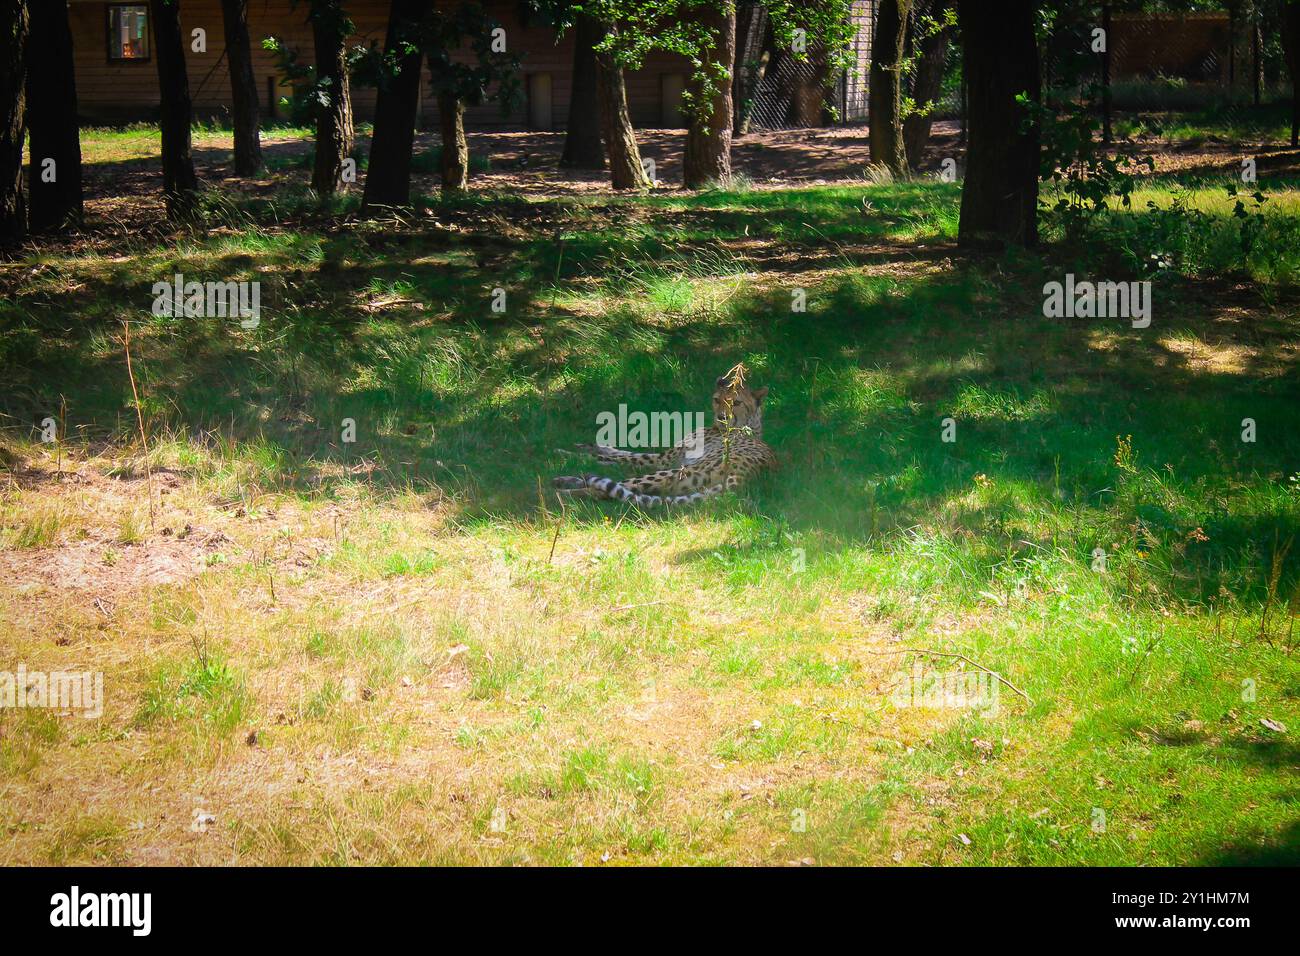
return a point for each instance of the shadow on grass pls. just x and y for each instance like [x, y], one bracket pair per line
[1283, 851]
[644, 304]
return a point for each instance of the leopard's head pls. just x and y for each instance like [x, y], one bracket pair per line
[736, 405]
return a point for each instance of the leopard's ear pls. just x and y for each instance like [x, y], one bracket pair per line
[722, 381]
[760, 393]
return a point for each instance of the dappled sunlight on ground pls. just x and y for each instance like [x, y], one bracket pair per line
[387, 641]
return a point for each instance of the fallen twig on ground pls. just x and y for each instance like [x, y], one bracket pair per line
[960, 657]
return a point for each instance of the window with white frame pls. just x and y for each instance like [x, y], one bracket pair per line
[128, 31]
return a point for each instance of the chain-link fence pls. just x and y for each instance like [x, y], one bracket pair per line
[1165, 61]
[1155, 61]
[781, 91]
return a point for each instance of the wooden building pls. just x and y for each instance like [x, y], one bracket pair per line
[117, 78]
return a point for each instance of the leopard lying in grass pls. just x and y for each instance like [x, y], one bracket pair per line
[701, 466]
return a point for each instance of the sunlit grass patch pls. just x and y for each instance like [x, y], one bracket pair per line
[204, 689]
[85, 839]
[382, 638]
[32, 520]
[976, 402]
[28, 733]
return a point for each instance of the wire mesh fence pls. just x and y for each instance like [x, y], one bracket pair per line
[1152, 61]
[782, 91]
[1199, 59]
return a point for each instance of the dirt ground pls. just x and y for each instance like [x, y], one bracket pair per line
[127, 193]
[530, 161]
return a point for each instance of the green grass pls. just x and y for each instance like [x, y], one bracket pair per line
[204, 690]
[425, 644]
[1186, 116]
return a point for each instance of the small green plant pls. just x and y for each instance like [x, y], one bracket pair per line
[1252, 222]
[1125, 458]
[308, 92]
[1090, 181]
[204, 689]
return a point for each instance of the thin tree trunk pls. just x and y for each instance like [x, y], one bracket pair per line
[243, 88]
[746, 108]
[1105, 77]
[1232, 46]
[927, 86]
[334, 132]
[751, 60]
[388, 178]
[1291, 47]
[455, 148]
[180, 184]
[810, 90]
[583, 148]
[999, 198]
[707, 158]
[13, 48]
[962, 139]
[885, 92]
[1258, 71]
[54, 176]
[625, 169]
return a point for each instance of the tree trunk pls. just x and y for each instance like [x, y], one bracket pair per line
[13, 48]
[243, 88]
[1258, 71]
[965, 107]
[334, 133]
[885, 90]
[746, 108]
[1232, 46]
[809, 95]
[388, 179]
[455, 148]
[999, 198]
[1105, 77]
[707, 159]
[927, 85]
[54, 176]
[625, 168]
[180, 184]
[1291, 47]
[583, 148]
[751, 61]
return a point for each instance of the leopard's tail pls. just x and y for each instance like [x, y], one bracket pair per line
[617, 491]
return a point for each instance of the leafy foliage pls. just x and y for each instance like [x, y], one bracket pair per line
[494, 72]
[674, 26]
[310, 93]
[1070, 157]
